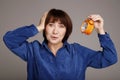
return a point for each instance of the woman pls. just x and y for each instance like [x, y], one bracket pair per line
[55, 58]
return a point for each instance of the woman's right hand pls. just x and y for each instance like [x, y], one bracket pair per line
[41, 24]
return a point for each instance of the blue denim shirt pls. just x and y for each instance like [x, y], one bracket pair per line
[71, 60]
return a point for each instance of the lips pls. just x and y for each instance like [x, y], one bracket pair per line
[54, 37]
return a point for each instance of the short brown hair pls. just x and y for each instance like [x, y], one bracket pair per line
[59, 15]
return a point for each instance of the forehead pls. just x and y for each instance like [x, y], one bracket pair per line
[55, 19]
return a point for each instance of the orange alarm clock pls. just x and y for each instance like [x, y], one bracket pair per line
[87, 26]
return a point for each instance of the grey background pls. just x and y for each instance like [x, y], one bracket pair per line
[16, 13]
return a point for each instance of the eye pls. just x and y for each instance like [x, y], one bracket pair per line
[50, 24]
[61, 26]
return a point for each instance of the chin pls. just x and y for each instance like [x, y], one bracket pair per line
[55, 42]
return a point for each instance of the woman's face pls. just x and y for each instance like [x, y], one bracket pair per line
[55, 32]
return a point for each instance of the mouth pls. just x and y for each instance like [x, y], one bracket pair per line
[54, 37]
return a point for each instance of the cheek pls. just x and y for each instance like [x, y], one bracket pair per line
[63, 32]
[47, 30]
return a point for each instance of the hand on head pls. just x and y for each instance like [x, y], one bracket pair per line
[41, 24]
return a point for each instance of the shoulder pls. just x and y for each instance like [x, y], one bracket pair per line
[78, 47]
[74, 47]
[35, 43]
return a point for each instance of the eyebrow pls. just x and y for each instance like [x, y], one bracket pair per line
[56, 21]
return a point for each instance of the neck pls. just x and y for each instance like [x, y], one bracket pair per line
[55, 47]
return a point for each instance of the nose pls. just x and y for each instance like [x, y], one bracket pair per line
[55, 30]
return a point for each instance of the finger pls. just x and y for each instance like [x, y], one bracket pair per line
[42, 20]
[96, 18]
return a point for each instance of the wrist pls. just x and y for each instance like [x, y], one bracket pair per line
[100, 31]
[39, 28]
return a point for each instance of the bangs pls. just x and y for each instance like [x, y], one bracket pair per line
[54, 19]
[59, 19]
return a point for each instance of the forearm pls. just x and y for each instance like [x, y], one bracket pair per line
[106, 57]
[16, 37]
[109, 50]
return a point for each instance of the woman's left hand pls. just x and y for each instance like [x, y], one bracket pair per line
[98, 23]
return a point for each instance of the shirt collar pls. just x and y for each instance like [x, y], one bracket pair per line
[65, 45]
